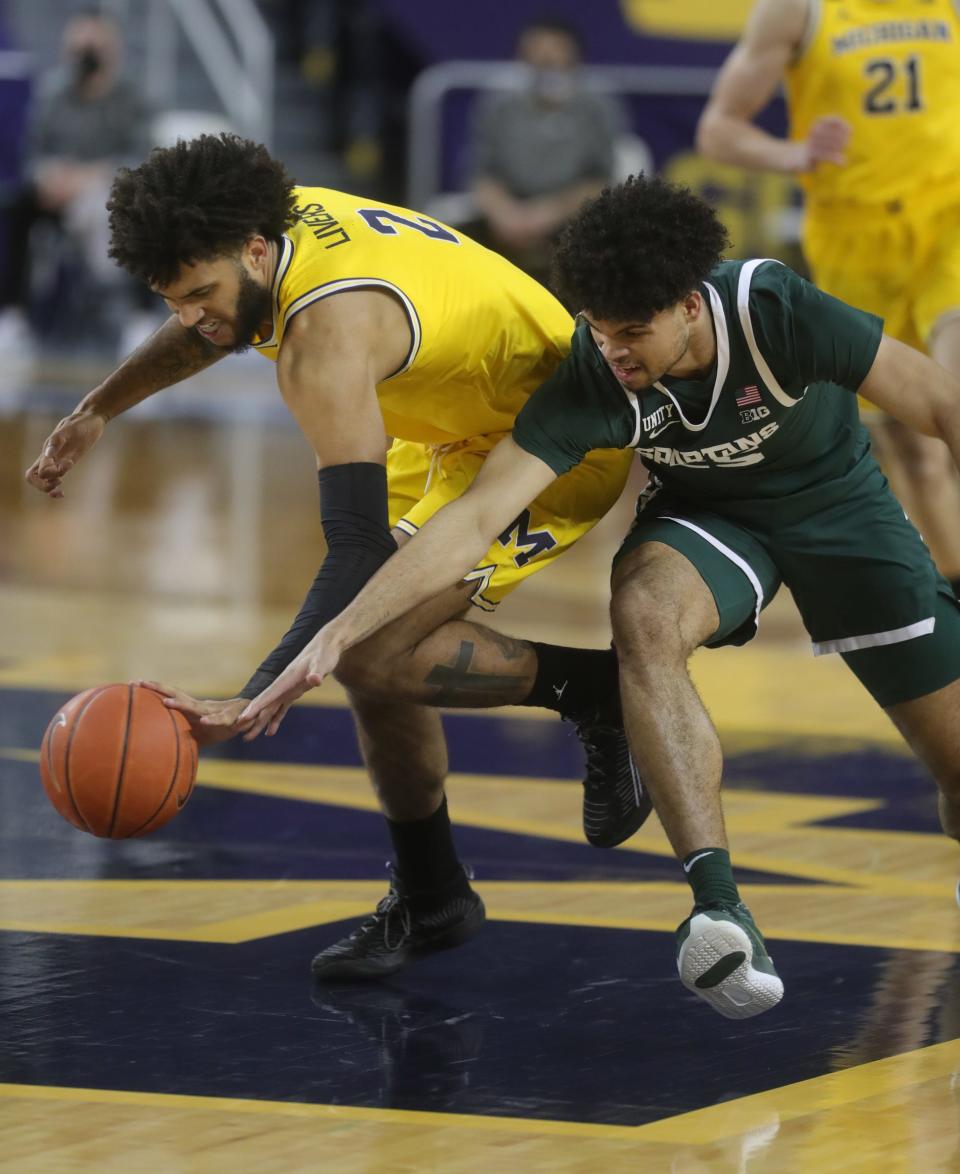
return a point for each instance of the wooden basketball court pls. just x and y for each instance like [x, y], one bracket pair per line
[156, 1007]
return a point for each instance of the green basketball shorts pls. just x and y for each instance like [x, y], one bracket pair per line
[862, 578]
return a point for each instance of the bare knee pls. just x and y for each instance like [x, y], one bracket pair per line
[645, 628]
[661, 610]
[367, 669]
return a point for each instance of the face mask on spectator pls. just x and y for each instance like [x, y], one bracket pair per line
[86, 63]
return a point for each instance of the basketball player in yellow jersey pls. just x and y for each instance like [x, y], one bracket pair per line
[873, 93]
[382, 323]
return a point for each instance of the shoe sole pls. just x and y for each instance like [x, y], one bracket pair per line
[711, 947]
[364, 969]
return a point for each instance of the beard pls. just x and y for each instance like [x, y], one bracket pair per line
[254, 307]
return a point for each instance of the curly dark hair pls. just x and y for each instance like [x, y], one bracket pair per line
[195, 201]
[636, 249]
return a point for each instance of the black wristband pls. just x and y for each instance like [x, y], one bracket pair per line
[353, 512]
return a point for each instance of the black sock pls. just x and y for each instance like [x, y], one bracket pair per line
[426, 859]
[571, 681]
[711, 878]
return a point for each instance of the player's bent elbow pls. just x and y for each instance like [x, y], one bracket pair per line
[706, 139]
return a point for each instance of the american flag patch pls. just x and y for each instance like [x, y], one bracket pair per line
[748, 395]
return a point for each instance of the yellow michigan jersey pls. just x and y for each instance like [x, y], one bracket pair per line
[483, 334]
[483, 337]
[891, 68]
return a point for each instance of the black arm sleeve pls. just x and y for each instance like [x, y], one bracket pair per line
[353, 512]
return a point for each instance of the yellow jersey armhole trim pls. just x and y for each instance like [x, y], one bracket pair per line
[330, 288]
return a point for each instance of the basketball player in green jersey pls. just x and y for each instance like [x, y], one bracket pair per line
[736, 382]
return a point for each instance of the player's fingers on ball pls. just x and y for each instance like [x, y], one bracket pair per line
[185, 705]
[196, 711]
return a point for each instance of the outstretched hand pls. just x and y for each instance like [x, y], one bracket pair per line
[314, 663]
[210, 721]
[72, 438]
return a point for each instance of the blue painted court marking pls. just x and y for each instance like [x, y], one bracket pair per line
[487, 1029]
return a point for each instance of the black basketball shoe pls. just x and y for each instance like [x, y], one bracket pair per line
[395, 934]
[615, 803]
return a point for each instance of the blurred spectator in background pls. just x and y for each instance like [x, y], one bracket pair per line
[538, 154]
[872, 93]
[87, 119]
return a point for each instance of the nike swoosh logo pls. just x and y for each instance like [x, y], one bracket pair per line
[559, 692]
[700, 855]
[663, 427]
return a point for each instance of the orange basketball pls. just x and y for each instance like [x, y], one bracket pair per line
[116, 762]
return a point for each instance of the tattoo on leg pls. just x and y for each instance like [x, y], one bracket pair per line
[457, 685]
[509, 648]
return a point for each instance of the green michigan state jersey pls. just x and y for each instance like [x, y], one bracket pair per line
[776, 417]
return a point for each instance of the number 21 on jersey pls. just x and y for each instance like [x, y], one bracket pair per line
[888, 94]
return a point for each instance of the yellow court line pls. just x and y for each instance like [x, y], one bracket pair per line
[310, 904]
[299, 1109]
[816, 1095]
[699, 1127]
[231, 776]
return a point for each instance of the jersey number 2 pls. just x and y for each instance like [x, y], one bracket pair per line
[882, 73]
[384, 222]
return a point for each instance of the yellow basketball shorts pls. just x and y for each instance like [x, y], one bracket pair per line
[423, 478]
[901, 263]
